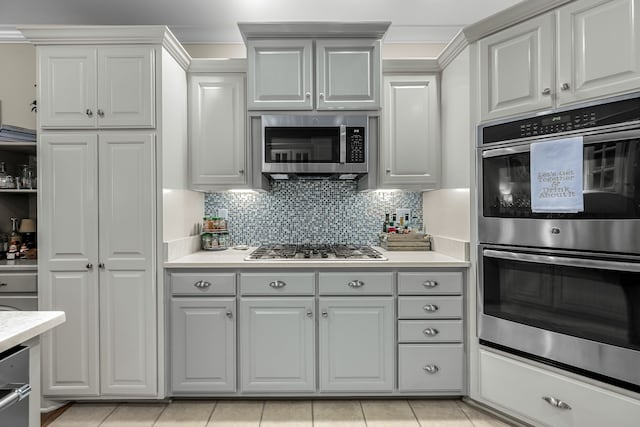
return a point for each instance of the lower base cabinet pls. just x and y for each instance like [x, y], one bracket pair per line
[203, 356]
[277, 344]
[527, 391]
[356, 344]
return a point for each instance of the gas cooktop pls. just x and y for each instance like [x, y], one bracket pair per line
[315, 252]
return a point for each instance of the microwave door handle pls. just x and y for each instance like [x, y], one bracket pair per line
[343, 143]
[568, 262]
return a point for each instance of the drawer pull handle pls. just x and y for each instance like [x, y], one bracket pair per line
[356, 284]
[431, 332]
[89, 113]
[432, 369]
[277, 284]
[3, 284]
[431, 308]
[324, 313]
[556, 403]
[430, 284]
[309, 313]
[201, 284]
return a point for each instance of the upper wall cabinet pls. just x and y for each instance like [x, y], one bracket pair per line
[96, 87]
[281, 74]
[593, 52]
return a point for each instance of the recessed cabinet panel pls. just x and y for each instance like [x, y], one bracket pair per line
[277, 344]
[598, 49]
[516, 68]
[356, 344]
[71, 369]
[126, 87]
[218, 137]
[410, 143]
[67, 84]
[431, 367]
[281, 74]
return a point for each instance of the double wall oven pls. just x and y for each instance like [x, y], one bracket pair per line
[563, 288]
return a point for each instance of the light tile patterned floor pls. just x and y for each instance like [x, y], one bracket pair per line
[272, 413]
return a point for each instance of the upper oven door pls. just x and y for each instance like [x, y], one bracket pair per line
[611, 191]
[314, 144]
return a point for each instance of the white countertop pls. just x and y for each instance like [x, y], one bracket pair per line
[232, 258]
[17, 327]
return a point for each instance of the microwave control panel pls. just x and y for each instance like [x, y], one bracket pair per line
[608, 113]
[355, 145]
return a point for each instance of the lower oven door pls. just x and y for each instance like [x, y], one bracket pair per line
[579, 310]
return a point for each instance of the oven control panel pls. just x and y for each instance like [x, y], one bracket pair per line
[606, 113]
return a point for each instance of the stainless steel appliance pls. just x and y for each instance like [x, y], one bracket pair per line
[298, 145]
[563, 288]
[320, 252]
[14, 387]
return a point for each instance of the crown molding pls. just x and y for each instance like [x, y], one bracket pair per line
[453, 49]
[9, 34]
[410, 65]
[175, 49]
[218, 65]
[250, 30]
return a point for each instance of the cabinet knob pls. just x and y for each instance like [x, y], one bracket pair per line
[241, 171]
[431, 308]
[565, 86]
[100, 113]
[431, 332]
[89, 113]
[277, 284]
[229, 314]
[556, 403]
[309, 313]
[432, 369]
[324, 313]
[101, 265]
[321, 95]
[546, 91]
[430, 284]
[355, 284]
[307, 95]
[89, 266]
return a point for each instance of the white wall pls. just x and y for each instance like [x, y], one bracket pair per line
[17, 84]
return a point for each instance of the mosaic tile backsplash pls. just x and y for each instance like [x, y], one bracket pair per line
[310, 212]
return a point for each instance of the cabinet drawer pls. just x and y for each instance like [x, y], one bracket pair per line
[19, 282]
[203, 283]
[277, 283]
[429, 283]
[428, 307]
[356, 283]
[430, 331]
[521, 388]
[436, 367]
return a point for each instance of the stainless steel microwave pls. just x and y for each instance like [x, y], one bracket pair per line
[314, 145]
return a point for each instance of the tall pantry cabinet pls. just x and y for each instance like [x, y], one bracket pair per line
[100, 132]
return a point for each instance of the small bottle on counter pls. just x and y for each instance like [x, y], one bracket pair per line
[385, 226]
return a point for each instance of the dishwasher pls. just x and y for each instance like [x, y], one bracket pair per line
[14, 387]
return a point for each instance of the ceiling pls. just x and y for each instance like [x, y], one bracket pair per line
[215, 21]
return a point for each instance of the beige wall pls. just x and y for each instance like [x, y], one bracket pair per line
[17, 80]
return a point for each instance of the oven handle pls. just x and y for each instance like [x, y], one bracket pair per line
[587, 140]
[15, 396]
[568, 262]
[343, 143]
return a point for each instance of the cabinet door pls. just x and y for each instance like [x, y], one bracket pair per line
[516, 68]
[277, 344]
[348, 74]
[68, 274]
[126, 93]
[356, 344]
[598, 49]
[217, 139]
[280, 74]
[203, 356]
[410, 144]
[67, 87]
[127, 281]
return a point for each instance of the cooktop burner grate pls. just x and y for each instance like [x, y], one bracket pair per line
[315, 252]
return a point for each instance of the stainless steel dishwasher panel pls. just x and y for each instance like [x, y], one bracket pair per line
[14, 387]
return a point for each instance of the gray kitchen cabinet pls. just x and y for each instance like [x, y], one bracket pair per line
[597, 46]
[219, 157]
[281, 74]
[356, 344]
[203, 356]
[277, 344]
[410, 134]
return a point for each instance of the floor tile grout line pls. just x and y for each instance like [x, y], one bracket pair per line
[459, 405]
[215, 405]
[364, 417]
[264, 403]
[166, 405]
[413, 412]
[109, 414]
[313, 421]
